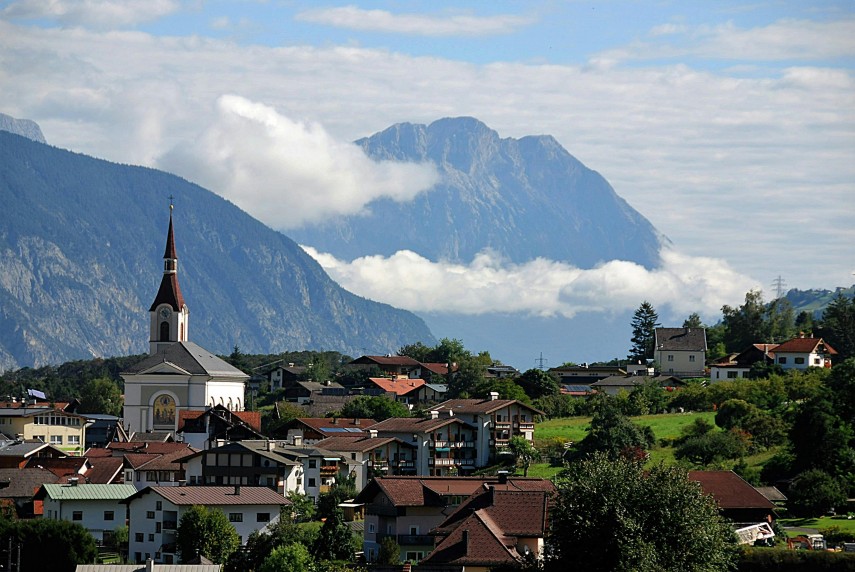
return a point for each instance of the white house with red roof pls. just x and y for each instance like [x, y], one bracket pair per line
[803, 352]
[178, 375]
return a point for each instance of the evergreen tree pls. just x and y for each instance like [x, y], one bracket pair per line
[838, 326]
[644, 324]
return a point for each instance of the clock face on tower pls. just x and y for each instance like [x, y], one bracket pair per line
[165, 312]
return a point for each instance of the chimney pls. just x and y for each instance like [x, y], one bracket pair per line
[357, 421]
[372, 433]
[149, 565]
[271, 445]
[73, 481]
[465, 541]
[335, 420]
[451, 413]
[434, 414]
[237, 490]
[503, 477]
[494, 395]
[298, 440]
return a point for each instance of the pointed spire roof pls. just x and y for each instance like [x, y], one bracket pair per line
[169, 291]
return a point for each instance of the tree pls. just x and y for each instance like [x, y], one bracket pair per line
[302, 506]
[293, 557]
[644, 323]
[814, 492]
[505, 387]
[418, 351]
[375, 407]
[206, 532]
[733, 412]
[693, 321]
[390, 552]
[838, 325]
[343, 489]
[524, 452]
[745, 324]
[821, 440]
[47, 544]
[537, 383]
[613, 434]
[101, 395]
[335, 540]
[612, 514]
[712, 447]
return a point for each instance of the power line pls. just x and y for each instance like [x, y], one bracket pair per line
[780, 286]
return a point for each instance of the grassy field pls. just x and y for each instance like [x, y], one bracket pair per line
[845, 525]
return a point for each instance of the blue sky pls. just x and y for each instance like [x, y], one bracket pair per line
[730, 125]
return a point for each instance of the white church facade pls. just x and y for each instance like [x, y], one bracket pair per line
[178, 375]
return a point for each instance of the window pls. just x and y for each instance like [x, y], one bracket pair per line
[799, 360]
[782, 360]
[370, 527]
[312, 482]
[262, 517]
[151, 537]
[139, 537]
[77, 515]
[164, 331]
[414, 556]
[732, 374]
[157, 526]
[158, 505]
[56, 439]
[353, 456]
[414, 530]
[108, 515]
[313, 463]
[74, 439]
[816, 361]
[149, 514]
[691, 358]
[138, 555]
[670, 357]
[235, 517]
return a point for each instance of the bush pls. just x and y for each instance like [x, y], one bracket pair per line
[780, 560]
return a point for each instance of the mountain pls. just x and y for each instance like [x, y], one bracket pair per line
[815, 301]
[524, 198]
[23, 127]
[81, 246]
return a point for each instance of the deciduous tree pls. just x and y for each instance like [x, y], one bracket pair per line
[101, 395]
[537, 383]
[207, 532]
[524, 452]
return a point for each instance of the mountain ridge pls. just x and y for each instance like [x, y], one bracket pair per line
[80, 261]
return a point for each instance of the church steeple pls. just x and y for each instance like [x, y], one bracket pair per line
[169, 314]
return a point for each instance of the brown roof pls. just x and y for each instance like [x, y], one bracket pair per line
[730, 490]
[805, 346]
[439, 368]
[59, 466]
[481, 405]
[398, 386]
[169, 291]
[322, 423]
[386, 360]
[148, 447]
[681, 339]
[105, 470]
[414, 424]
[23, 483]
[477, 541]
[360, 444]
[216, 496]
[422, 491]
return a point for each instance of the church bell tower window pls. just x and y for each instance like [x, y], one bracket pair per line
[164, 331]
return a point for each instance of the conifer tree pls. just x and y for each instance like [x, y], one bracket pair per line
[644, 324]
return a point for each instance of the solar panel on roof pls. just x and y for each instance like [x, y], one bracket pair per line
[580, 388]
[335, 429]
[352, 430]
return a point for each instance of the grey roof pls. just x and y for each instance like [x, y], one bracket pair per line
[89, 492]
[437, 387]
[22, 449]
[633, 380]
[257, 447]
[681, 339]
[142, 568]
[191, 358]
[22, 483]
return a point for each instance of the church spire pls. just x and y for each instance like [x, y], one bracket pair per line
[168, 311]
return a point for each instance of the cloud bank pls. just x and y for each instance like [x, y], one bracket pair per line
[287, 173]
[99, 14]
[452, 24]
[683, 284]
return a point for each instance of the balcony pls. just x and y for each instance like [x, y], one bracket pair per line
[170, 525]
[381, 510]
[501, 424]
[379, 465]
[452, 444]
[442, 462]
[415, 540]
[404, 464]
[525, 426]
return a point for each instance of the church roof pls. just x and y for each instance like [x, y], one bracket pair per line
[169, 291]
[191, 358]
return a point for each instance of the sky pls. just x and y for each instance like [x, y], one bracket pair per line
[729, 125]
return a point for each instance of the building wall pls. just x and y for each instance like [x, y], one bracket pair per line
[680, 362]
[791, 360]
[71, 438]
[92, 514]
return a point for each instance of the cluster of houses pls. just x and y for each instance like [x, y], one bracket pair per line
[186, 439]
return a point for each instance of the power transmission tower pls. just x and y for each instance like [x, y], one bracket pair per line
[780, 286]
[541, 361]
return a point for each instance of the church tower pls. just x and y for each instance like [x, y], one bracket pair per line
[169, 315]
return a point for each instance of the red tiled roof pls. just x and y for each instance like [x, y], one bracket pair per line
[730, 490]
[398, 386]
[420, 491]
[216, 496]
[477, 541]
[185, 415]
[149, 447]
[439, 368]
[804, 346]
[251, 418]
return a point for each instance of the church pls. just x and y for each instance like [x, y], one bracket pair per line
[178, 375]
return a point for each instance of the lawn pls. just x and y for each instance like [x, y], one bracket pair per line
[844, 524]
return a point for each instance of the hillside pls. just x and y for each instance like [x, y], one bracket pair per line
[523, 198]
[82, 244]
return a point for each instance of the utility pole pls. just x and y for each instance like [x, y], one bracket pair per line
[780, 286]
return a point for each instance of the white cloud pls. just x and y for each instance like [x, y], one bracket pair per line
[285, 172]
[452, 24]
[683, 284]
[92, 13]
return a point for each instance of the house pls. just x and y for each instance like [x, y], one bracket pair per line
[737, 366]
[398, 366]
[105, 468]
[444, 444]
[62, 466]
[737, 500]
[407, 508]
[372, 456]
[56, 424]
[499, 525]
[203, 428]
[18, 486]
[285, 376]
[584, 374]
[405, 390]
[146, 463]
[433, 392]
[681, 351]
[499, 371]
[255, 463]
[313, 429]
[154, 514]
[102, 429]
[305, 391]
[436, 372]
[494, 420]
[802, 353]
[17, 453]
[616, 384]
[98, 508]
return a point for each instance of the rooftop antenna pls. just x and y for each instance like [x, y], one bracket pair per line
[780, 286]
[541, 361]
